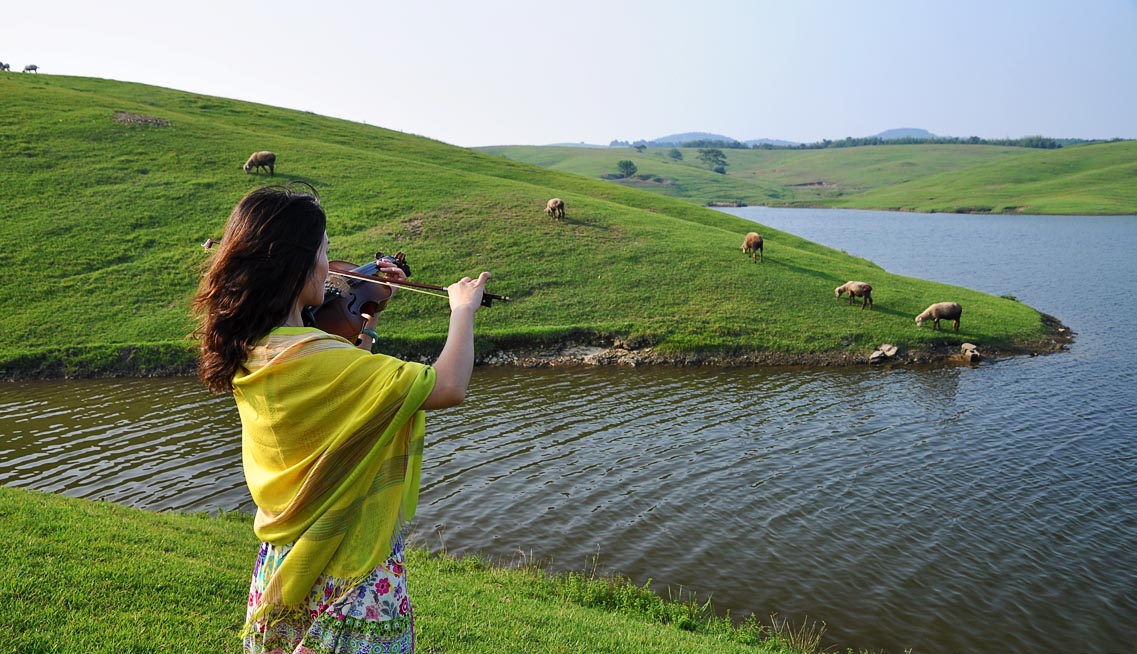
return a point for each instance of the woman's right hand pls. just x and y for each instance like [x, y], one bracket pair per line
[467, 292]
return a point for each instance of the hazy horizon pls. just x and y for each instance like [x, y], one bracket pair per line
[509, 72]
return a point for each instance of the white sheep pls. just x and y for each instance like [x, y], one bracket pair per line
[752, 245]
[941, 311]
[555, 207]
[262, 159]
[31, 68]
[856, 289]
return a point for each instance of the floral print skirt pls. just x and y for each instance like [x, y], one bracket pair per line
[370, 617]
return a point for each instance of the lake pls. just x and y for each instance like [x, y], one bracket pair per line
[988, 508]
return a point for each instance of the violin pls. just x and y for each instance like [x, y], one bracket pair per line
[349, 299]
[352, 291]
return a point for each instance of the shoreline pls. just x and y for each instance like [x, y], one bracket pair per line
[586, 352]
[619, 353]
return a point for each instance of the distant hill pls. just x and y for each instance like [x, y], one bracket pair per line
[687, 137]
[905, 133]
[1084, 179]
[941, 177]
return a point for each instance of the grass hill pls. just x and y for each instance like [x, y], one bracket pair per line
[1084, 179]
[111, 187]
[1095, 178]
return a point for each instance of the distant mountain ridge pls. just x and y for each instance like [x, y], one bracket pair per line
[905, 133]
[688, 137]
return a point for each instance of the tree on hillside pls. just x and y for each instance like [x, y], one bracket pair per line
[640, 147]
[675, 154]
[714, 158]
[627, 167]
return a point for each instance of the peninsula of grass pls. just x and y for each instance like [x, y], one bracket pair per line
[87, 577]
[111, 187]
[1088, 179]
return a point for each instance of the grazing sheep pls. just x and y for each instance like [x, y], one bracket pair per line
[31, 68]
[4, 66]
[263, 159]
[555, 208]
[752, 245]
[941, 311]
[856, 289]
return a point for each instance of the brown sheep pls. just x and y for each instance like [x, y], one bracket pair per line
[752, 245]
[262, 159]
[856, 289]
[31, 68]
[555, 208]
[941, 311]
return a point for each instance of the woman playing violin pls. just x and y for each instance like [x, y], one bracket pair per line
[332, 436]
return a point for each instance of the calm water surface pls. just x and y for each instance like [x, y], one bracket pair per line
[943, 510]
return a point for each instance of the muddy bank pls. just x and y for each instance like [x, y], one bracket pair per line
[620, 353]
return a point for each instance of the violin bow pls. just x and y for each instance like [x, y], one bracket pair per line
[487, 298]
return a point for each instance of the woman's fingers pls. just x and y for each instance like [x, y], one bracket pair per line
[467, 290]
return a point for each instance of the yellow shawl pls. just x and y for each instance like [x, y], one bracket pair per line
[332, 442]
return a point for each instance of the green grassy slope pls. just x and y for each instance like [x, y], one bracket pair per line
[1090, 179]
[88, 577]
[102, 222]
[1087, 179]
[769, 177]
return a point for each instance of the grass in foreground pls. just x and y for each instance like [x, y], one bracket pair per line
[91, 577]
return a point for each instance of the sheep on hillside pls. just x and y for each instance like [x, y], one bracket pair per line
[31, 68]
[941, 311]
[262, 159]
[752, 245]
[4, 66]
[856, 289]
[555, 208]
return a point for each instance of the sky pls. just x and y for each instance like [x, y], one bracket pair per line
[498, 72]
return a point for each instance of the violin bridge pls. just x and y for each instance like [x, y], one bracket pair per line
[337, 285]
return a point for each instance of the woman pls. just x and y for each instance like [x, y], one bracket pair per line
[332, 435]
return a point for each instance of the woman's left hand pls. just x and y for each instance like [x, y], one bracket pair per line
[391, 270]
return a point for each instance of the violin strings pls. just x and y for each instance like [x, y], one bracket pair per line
[420, 290]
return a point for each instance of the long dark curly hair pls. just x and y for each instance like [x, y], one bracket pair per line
[265, 257]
